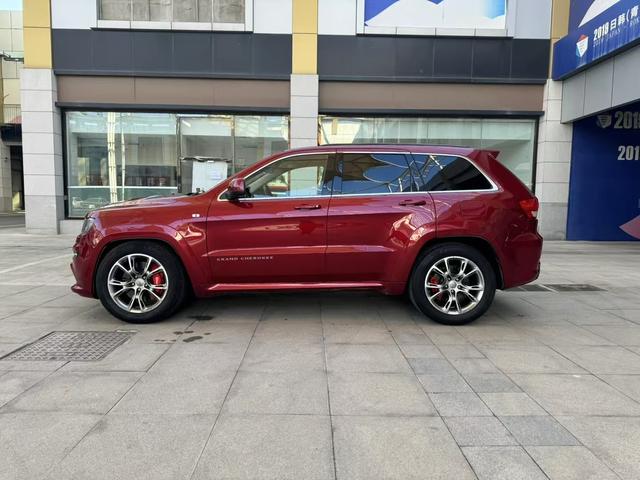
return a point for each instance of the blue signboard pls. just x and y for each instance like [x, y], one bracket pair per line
[604, 198]
[601, 28]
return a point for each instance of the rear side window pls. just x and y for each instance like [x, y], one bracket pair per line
[438, 173]
[370, 173]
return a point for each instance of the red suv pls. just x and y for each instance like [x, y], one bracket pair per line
[446, 225]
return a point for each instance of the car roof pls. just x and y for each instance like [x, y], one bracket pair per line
[388, 147]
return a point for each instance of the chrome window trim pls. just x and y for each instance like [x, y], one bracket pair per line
[494, 188]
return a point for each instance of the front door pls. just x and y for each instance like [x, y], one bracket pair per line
[373, 217]
[278, 234]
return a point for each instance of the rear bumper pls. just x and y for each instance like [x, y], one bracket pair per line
[521, 264]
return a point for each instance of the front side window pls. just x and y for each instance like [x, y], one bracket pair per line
[371, 173]
[301, 176]
[437, 173]
[202, 11]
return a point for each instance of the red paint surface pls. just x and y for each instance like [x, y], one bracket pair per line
[363, 241]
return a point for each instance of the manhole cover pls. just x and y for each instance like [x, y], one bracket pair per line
[574, 287]
[82, 346]
[533, 287]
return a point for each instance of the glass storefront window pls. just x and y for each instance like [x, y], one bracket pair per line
[514, 138]
[208, 11]
[116, 156]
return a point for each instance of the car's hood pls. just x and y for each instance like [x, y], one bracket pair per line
[144, 202]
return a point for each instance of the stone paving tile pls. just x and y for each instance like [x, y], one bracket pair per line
[378, 394]
[268, 447]
[153, 447]
[502, 463]
[289, 331]
[570, 463]
[563, 335]
[366, 358]
[479, 431]
[14, 383]
[399, 448]
[278, 393]
[511, 404]
[442, 334]
[614, 440]
[459, 405]
[474, 366]
[603, 360]
[420, 351]
[357, 334]
[529, 359]
[538, 430]
[32, 443]
[270, 357]
[461, 351]
[75, 392]
[627, 335]
[627, 384]
[23, 332]
[188, 379]
[129, 357]
[217, 332]
[490, 382]
[444, 383]
[431, 366]
[576, 395]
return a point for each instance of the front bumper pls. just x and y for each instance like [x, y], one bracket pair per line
[83, 265]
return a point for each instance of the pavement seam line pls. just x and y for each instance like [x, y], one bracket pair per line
[215, 422]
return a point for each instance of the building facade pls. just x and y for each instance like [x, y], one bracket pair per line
[596, 66]
[129, 98]
[11, 58]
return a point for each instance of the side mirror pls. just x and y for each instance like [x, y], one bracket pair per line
[237, 189]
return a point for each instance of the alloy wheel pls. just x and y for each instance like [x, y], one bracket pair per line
[454, 285]
[138, 283]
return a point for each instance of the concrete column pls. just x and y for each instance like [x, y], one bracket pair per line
[5, 179]
[42, 152]
[304, 111]
[553, 165]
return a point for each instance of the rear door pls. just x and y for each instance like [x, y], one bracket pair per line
[373, 215]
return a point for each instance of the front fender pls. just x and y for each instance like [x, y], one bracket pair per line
[182, 245]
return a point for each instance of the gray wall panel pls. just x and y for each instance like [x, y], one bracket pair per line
[609, 84]
[598, 87]
[626, 84]
[573, 97]
[171, 53]
[433, 59]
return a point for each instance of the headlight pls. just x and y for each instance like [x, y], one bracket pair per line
[87, 225]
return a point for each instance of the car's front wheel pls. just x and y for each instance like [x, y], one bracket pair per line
[453, 284]
[141, 282]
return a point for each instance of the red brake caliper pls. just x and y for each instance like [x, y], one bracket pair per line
[157, 279]
[434, 281]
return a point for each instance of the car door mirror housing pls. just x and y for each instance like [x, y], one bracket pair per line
[237, 189]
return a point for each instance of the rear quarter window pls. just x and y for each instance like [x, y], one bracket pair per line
[441, 173]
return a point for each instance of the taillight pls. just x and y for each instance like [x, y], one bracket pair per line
[530, 207]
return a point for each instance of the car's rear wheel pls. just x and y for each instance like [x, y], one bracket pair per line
[453, 283]
[141, 282]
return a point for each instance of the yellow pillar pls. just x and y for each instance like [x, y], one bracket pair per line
[559, 22]
[37, 33]
[305, 37]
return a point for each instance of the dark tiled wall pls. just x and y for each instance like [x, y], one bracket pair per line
[433, 59]
[167, 53]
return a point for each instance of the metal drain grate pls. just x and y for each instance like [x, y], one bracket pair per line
[82, 346]
[574, 287]
[533, 287]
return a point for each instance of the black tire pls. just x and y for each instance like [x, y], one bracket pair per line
[176, 291]
[418, 293]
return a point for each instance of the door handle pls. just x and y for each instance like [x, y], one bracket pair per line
[307, 207]
[413, 203]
